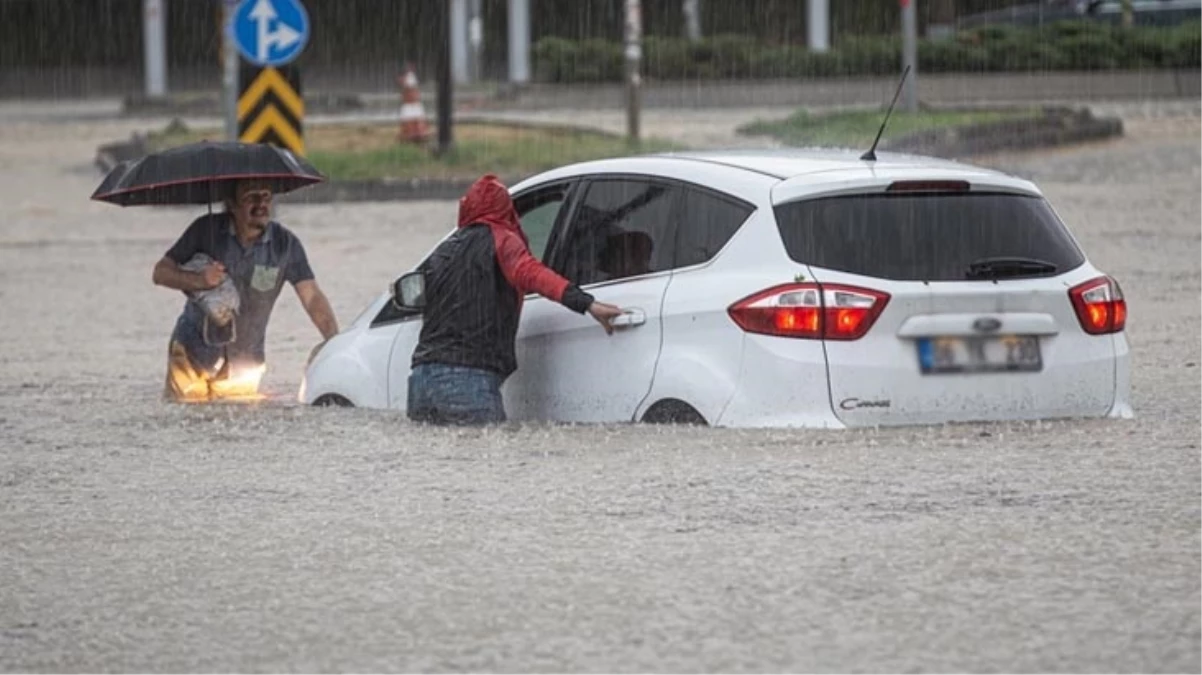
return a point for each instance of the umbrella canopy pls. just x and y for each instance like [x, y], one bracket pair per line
[203, 173]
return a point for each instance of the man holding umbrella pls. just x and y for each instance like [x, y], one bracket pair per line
[231, 265]
[259, 255]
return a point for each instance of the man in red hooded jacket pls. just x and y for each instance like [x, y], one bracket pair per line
[474, 285]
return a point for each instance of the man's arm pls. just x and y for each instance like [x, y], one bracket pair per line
[527, 274]
[318, 308]
[167, 273]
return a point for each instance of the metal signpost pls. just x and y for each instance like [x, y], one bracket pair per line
[634, 54]
[229, 70]
[266, 105]
[445, 84]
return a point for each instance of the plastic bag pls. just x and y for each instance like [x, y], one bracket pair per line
[220, 303]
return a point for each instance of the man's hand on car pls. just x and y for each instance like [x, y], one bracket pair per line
[605, 313]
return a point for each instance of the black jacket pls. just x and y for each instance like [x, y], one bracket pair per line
[471, 309]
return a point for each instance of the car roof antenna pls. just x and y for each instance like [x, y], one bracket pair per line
[870, 156]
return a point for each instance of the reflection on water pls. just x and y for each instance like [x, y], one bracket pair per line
[241, 385]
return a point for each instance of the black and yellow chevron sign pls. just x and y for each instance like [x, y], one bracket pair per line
[270, 107]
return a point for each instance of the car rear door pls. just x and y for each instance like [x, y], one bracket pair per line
[970, 323]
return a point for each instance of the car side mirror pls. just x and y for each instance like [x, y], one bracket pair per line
[409, 292]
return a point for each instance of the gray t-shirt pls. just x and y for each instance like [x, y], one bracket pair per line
[258, 271]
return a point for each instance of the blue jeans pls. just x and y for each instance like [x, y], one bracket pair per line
[446, 394]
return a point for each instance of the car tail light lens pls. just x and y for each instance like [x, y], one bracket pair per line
[810, 310]
[1100, 306]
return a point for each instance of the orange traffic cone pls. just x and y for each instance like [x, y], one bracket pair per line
[413, 114]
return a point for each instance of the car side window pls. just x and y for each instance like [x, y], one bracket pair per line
[622, 228]
[707, 222]
[538, 212]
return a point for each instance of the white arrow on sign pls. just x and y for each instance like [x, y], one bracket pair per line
[284, 35]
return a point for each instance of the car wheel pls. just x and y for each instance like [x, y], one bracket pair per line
[326, 400]
[673, 411]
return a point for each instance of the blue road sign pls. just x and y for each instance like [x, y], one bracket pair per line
[270, 32]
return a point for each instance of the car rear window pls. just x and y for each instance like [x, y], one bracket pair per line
[923, 237]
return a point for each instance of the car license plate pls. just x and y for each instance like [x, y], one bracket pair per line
[1006, 353]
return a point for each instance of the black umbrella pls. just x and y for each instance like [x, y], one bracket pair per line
[203, 173]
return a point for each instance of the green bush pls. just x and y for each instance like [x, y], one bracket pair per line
[1069, 45]
[552, 59]
[662, 55]
[598, 61]
[1184, 47]
[560, 60]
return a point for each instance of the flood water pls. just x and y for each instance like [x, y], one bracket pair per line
[144, 536]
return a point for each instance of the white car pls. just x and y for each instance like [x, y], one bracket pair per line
[787, 288]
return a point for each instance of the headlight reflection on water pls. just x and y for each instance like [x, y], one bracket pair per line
[241, 385]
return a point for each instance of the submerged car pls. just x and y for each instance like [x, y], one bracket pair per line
[786, 289]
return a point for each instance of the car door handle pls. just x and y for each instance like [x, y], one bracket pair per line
[629, 318]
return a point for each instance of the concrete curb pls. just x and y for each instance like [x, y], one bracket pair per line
[1057, 126]
[206, 104]
[110, 155]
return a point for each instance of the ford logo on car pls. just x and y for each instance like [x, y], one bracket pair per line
[986, 324]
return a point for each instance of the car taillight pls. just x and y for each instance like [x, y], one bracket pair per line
[1100, 306]
[810, 310]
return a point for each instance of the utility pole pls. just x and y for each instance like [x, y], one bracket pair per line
[819, 24]
[692, 19]
[445, 92]
[459, 59]
[154, 38]
[229, 59]
[475, 41]
[519, 42]
[909, 16]
[634, 54]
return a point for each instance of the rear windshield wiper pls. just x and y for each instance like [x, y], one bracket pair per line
[1008, 268]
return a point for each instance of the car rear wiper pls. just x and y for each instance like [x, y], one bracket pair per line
[1008, 268]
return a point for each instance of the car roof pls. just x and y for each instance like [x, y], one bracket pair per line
[788, 163]
[787, 173]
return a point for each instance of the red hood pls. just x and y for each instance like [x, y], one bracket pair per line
[487, 201]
